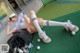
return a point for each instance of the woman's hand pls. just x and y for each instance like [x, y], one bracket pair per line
[28, 27]
[9, 22]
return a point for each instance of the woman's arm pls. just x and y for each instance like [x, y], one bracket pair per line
[8, 28]
[27, 19]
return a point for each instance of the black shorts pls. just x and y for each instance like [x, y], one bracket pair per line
[19, 39]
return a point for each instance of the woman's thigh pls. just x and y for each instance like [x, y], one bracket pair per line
[32, 27]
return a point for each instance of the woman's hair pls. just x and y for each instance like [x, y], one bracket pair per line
[10, 19]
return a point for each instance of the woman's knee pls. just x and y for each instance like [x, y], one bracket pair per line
[40, 21]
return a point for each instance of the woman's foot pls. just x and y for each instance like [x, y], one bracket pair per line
[71, 27]
[44, 37]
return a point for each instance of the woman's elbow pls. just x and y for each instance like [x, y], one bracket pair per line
[7, 34]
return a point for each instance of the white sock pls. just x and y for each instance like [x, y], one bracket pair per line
[42, 34]
[53, 23]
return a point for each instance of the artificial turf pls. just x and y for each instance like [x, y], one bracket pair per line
[54, 10]
[62, 41]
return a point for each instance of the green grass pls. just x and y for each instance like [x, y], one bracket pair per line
[55, 10]
[68, 0]
[62, 41]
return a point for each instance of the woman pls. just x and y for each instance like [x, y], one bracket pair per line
[33, 25]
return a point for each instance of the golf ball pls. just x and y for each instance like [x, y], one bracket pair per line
[73, 33]
[38, 40]
[38, 47]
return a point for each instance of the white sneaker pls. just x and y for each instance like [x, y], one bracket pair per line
[20, 51]
[25, 50]
[44, 37]
[71, 27]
